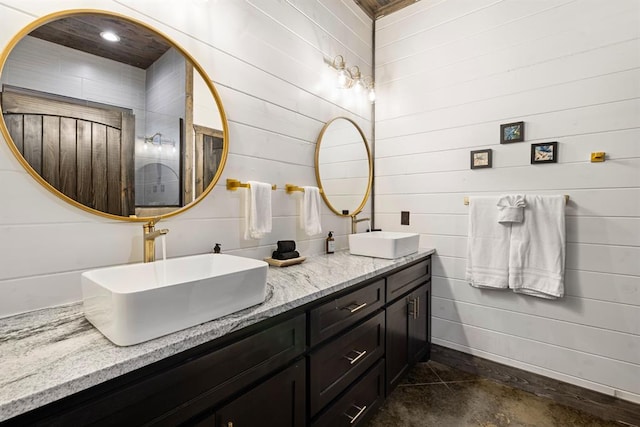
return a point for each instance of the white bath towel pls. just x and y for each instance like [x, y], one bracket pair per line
[511, 208]
[537, 249]
[487, 246]
[258, 210]
[311, 215]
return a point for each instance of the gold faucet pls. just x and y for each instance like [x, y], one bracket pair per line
[149, 240]
[354, 221]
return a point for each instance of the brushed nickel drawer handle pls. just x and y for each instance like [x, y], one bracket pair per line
[354, 418]
[360, 355]
[354, 309]
[418, 308]
[414, 311]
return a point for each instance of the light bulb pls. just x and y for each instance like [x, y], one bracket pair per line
[342, 78]
[110, 36]
[358, 86]
[372, 95]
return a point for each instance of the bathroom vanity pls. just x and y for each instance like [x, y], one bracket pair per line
[334, 337]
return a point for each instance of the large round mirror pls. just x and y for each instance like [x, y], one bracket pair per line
[343, 166]
[111, 115]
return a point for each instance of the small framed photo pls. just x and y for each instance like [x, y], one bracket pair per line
[512, 132]
[546, 152]
[481, 159]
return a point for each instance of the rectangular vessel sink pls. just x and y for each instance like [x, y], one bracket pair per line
[133, 303]
[384, 244]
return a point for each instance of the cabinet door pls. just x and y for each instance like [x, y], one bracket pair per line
[418, 324]
[397, 342]
[407, 333]
[279, 401]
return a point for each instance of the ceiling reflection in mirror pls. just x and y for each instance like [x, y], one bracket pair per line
[343, 166]
[125, 128]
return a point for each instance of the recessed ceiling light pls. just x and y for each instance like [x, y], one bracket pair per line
[110, 36]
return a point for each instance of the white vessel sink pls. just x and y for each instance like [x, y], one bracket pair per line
[133, 303]
[384, 244]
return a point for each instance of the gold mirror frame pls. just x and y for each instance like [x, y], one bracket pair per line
[317, 168]
[12, 146]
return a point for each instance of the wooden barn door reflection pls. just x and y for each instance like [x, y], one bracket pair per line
[85, 152]
[208, 155]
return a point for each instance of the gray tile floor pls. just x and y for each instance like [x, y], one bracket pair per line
[436, 395]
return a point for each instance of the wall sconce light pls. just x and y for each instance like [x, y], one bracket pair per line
[157, 141]
[352, 78]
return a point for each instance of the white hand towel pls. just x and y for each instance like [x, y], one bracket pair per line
[511, 208]
[258, 210]
[537, 249]
[487, 246]
[311, 211]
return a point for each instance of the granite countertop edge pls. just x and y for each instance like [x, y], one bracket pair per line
[55, 352]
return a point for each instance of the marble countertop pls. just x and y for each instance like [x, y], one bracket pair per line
[48, 354]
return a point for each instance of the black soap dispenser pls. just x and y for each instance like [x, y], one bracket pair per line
[331, 243]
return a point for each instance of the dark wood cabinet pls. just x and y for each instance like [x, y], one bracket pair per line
[278, 401]
[408, 333]
[329, 363]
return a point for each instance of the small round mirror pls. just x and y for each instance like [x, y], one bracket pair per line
[343, 166]
[111, 115]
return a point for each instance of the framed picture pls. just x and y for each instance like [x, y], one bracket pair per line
[512, 132]
[546, 152]
[481, 159]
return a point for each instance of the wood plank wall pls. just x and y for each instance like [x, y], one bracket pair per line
[266, 59]
[448, 73]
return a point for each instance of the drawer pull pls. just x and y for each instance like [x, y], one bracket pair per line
[418, 308]
[356, 308]
[360, 355]
[354, 418]
[413, 312]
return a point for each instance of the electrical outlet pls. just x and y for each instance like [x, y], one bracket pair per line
[404, 218]
[345, 211]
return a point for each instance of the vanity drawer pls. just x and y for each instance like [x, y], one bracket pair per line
[337, 364]
[403, 281]
[358, 404]
[330, 318]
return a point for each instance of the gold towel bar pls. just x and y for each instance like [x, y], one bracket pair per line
[234, 184]
[566, 199]
[290, 188]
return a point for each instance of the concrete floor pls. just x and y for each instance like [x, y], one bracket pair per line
[437, 395]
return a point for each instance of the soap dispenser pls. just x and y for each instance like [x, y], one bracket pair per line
[331, 243]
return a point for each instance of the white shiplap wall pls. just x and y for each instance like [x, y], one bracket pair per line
[448, 73]
[266, 59]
